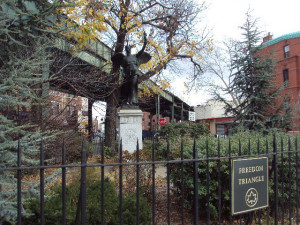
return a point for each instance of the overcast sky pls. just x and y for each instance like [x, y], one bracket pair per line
[224, 17]
[278, 17]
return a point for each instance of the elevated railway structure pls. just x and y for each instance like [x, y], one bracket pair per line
[90, 67]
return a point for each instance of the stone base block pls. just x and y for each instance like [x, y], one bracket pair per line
[130, 129]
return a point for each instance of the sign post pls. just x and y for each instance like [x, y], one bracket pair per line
[249, 185]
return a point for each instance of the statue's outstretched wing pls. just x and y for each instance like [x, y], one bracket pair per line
[143, 58]
[118, 59]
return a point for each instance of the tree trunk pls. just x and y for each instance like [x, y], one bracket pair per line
[112, 100]
[90, 119]
[110, 121]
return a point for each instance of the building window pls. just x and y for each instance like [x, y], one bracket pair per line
[286, 78]
[286, 50]
[221, 129]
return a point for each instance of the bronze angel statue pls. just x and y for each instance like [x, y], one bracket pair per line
[130, 64]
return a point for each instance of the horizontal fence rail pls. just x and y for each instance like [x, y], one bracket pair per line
[195, 186]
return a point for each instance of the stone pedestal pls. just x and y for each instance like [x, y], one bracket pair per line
[130, 129]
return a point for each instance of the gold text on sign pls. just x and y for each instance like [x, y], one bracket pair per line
[251, 180]
[251, 169]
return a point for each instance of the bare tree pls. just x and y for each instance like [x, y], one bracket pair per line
[219, 73]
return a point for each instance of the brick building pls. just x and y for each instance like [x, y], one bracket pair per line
[68, 110]
[286, 51]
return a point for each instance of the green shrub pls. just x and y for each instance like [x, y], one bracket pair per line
[174, 132]
[110, 153]
[245, 138]
[53, 206]
[74, 147]
[191, 129]
[159, 148]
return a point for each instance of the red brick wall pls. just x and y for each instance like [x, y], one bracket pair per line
[292, 63]
[146, 121]
[74, 103]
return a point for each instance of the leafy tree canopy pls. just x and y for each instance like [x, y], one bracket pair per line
[254, 85]
[170, 25]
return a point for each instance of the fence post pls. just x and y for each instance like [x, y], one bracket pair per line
[230, 180]
[250, 214]
[83, 183]
[258, 153]
[153, 182]
[282, 181]
[121, 184]
[240, 154]
[63, 181]
[168, 183]
[290, 180]
[268, 209]
[297, 183]
[102, 180]
[19, 184]
[275, 180]
[196, 197]
[42, 183]
[219, 185]
[137, 184]
[182, 182]
[207, 184]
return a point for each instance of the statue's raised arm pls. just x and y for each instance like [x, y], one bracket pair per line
[144, 45]
[143, 57]
[130, 64]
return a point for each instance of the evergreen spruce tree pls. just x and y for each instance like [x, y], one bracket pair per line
[254, 84]
[26, 30]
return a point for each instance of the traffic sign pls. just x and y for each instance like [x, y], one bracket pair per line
[162, 121]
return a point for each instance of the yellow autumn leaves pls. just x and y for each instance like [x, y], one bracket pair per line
[95, 19]
[149, 88]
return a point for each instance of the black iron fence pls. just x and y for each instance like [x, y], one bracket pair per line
[200, 170]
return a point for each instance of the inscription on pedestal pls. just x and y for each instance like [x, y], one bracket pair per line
[130, 129]
[130, 119]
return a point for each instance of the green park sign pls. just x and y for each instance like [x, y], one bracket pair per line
[249, 184]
